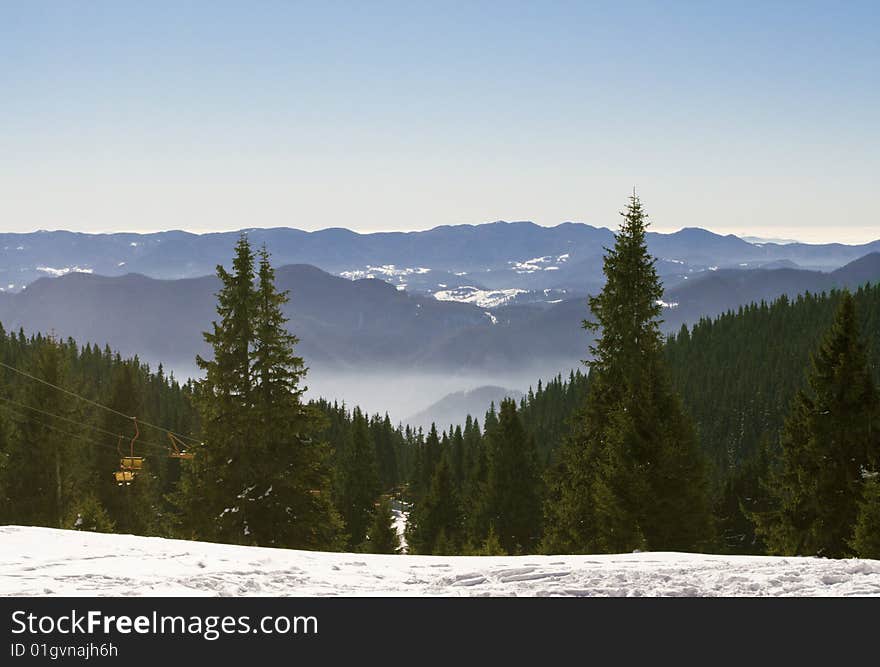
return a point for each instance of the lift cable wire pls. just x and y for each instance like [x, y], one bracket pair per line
[77, 436]
[95, 403]
[78, 423]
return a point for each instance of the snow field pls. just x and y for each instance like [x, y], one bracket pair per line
[46, 561]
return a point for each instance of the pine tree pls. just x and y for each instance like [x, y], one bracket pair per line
[37, 477]
[261, 476]
[214, 484]
[866, 537]
[359, 486]
[7, 514]
[492, 545]
[513, 501]
[87, 513]
[474, 517]
[382, 537]
[832, 434]
[435, 522]
[631, 475]
[291, 497]
[428, 457]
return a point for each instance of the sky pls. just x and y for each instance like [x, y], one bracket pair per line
[758, 119]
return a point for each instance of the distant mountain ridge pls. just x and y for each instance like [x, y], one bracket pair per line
[369, 324]
[564, 260]
[455, 407]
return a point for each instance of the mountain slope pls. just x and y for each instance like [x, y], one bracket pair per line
[340, 322]
[368, 324]
[455, 407]
[715, 292]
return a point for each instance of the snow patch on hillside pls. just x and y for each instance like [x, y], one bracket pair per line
[385, 271]
[47, 561]
[63, 271]
[537, 264]
[480, 297]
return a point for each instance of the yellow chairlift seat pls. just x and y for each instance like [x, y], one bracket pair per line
[131, 462]
[131, 465]
[123, 477]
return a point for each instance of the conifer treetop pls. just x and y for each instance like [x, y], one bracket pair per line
[627, 310]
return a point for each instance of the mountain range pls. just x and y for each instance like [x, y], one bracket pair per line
[500, 303]
[528, 261]
[369, 323]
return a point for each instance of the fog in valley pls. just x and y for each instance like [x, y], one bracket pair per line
[400, 393]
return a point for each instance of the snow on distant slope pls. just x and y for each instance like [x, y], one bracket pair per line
[64, 271]
[481, 297]
[46, 561]
[545, 263]
[387, 272]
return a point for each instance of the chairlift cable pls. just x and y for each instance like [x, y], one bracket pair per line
[95, 403]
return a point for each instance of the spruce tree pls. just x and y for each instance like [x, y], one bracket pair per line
[492, 545]
[359, 485]
[382, 537]
[291, 498]
[428, 457]
[37, 474]
[631, 475]
[831, 436]
[513, 503]
[435, 522]
[214, 484]
[866, 536]
[88, 514]
[261, 476]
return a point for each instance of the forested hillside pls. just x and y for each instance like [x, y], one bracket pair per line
[739, 372]
[737, 375]
[65, 422]
[58, 448]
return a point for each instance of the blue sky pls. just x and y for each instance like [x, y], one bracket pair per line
[751, 118]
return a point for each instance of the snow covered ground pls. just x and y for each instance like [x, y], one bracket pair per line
[45, 561]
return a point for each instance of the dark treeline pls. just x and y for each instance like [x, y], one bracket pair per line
[58, 452]
[754, 432]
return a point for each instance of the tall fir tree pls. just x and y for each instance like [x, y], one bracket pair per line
[359, 484]
[208, 495]
[631, 475]
[38, 478]
[831, 436]
[261, 476]
[866, 535]
[382, 537]
[292, 501]
[513, 503]
[435, 522]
